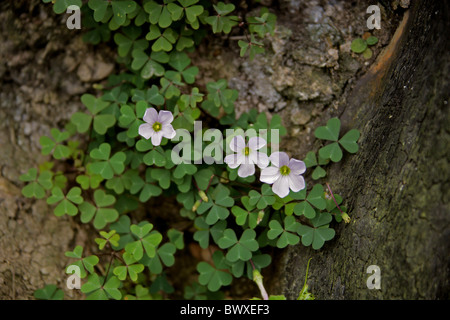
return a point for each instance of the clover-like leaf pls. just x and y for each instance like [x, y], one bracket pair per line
[101, 214]
[66, 202]
[204, 231]
[238, 250]
[130, 267]
[158, 14]
[257, 262]
[37, 185]
[149, 65]
[315, 199]
[107, 167]
[263, 199]
[348, 141]
[147, 241]
[108, 237]
[176, 238]
[164, 255]
[60, 6]
[214, 277]
[263, 24]
[246, 214]
[85, 264]
[95, 289]
[319, 233]
[252, 46]
[49, 292]
[54, 146]
[221, 22]
[101, 122]
[218, 206]
[330, 131]
[286, 235]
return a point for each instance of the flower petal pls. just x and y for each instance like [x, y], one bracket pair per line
[150, 115]
[168, 131]
[270, 175]
[297, 166]
[261, 159]
[146, 130]
[156, 138]
[165, 117]
[233, 160]
[237, 143]
[279, 159]
[296, 182]
[281, 187]
[246, 170]
[256, 143]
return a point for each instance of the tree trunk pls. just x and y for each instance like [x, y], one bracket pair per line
[397, 185]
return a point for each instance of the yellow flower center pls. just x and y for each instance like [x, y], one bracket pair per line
[285, 170]
[246, 151]
[157, 126]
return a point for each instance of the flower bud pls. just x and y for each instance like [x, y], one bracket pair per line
[202, 195]
[196, 205]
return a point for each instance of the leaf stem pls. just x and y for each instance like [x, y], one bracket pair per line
[334, 199]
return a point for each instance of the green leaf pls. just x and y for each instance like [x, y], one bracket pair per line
[176, 238]
[264, 199]
[66, 203]
[358, 45]
[284, 235]
[348, 141]
[82, 121]
[161, 284]
[319, 233]
[102, 215]
[48, 145]
[304, 208]
[132, 269]
[330, 131]
[121, 9]
[316, 197]
[221, 22]
[203, 178]
[372, 40]
[61, 6]
[49, 292]
[367, 54]
[218, 206]
[109, 166]
[85, 264]
[332, 151]
[96, 291]
[240, 250]
[99, 7]
[318, 173]
[214, 277]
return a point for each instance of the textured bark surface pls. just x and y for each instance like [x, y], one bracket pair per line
[43, 72]
[398, 183]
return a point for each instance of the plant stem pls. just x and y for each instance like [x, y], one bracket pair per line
[332, 195]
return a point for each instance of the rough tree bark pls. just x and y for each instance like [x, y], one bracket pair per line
[398, 183]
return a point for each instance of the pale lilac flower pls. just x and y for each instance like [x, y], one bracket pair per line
[247, 156]
[284, 174]
[157, 126]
